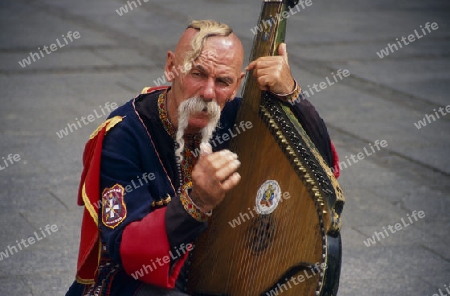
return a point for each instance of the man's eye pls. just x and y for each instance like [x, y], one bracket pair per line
[196, 74]
[223, 82]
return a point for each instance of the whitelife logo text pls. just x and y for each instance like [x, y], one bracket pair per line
[35, 56]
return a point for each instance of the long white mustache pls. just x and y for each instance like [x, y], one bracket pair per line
[191, 107]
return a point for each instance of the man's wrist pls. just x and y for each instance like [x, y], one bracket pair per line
[291, 96]
[194, 210]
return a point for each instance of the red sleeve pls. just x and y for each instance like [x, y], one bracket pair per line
[145, 251]
[336, 168]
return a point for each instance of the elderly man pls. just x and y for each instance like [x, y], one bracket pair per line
[156, 193]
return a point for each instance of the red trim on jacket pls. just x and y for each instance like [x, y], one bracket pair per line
[89, 196]
[145, 251]
[336, 169]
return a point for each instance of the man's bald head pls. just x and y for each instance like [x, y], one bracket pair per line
[192, 41]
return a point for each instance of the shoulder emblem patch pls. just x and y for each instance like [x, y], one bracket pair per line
[114, 210]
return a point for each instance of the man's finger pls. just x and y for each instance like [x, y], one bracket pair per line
[222, 156]
[227, 170]
[250, 66]
[217, 160]
[232, 181]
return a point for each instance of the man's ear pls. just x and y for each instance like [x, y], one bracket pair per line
[241, 76]
[170, 65]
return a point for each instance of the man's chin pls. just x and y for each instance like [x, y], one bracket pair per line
[196, 124]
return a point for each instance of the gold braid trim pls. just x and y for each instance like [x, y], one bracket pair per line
[88, 205]
[110, 123]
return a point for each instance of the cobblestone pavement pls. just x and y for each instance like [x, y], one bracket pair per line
[393, 86]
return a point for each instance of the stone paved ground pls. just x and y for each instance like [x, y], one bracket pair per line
[116, 56]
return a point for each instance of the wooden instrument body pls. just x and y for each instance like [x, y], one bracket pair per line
[267, 250]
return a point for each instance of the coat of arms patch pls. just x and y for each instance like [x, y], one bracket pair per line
[114, 210]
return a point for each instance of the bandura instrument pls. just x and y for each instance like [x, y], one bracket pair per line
[278, 230]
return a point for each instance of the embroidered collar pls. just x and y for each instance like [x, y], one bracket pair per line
[192, 142]
[163, 115]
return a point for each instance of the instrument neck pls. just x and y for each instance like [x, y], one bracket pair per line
[270, 32]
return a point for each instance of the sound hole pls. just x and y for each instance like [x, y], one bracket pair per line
[261, 233]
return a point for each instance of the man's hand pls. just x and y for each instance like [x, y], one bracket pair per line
[213, 176]
[273, 72]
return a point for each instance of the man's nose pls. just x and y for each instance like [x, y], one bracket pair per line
[208, 91]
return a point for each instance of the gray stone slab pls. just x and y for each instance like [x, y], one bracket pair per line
[39, 154]
[407, 236]
[350, 237]
[59, 59]
[406, 73]
[14, 286]
[435, 205]
[405, 185]
[35, 91]
[366, 51]
[43, 29]
[49, 123]
[10, 167]
[391, 262]
[97, 9]
[16, 228]
[96, 90]
[68, 222]
[25, 200]
[368, 21]
[33, 260]
[363, 208]
[50, 284]
[371, 118]
[401, 286]
[107, 20]
[124, 57]
[439, 281]
[136, 80]
[436, 229]
[408, 180]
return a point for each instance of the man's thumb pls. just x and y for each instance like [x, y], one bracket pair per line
[282, 51]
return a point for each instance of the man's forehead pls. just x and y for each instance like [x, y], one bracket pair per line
[222, 50]
[208, 54]
[224, 44]
[222, 63]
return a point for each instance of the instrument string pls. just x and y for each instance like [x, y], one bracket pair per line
[233, 244]
[240, 247]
